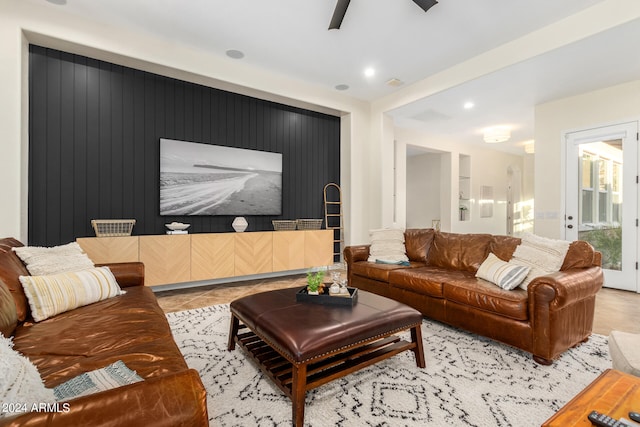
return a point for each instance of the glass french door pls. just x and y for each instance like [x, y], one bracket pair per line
[602, 198]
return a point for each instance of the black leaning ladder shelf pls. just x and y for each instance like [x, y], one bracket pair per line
[333, 217]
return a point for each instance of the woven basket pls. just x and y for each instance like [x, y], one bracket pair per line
[283, 224]
[309, 224]
[112, 227]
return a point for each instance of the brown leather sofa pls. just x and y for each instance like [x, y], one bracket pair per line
[130, 327]
[554, 314]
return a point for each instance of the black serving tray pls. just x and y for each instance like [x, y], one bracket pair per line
[326, 299]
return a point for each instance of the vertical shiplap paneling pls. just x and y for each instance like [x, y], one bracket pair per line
[52, 148]
[92, 142]
[37, 153]
[94, 145]
[79, 149]
[116, 141]
[128, 144]
[67, 164]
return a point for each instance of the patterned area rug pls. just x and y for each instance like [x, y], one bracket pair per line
[468, 381]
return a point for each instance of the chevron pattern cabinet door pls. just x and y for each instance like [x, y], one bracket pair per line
[103, 250]
[253, 253]
[212, 256]
[318, 248]
[288, 250]
[167, 259]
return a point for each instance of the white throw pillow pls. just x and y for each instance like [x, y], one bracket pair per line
[41, 261]
[55, 294]
[542, 255]
[115, 375]
[387, 245]
[21, 386]
[507, 276]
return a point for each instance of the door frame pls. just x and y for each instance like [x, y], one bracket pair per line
[606, 132]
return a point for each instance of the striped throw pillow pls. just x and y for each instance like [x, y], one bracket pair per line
[55, 294]
[115, 375]
[507, 276]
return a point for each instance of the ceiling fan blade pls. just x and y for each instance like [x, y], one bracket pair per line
[425, 4]
[338, 14]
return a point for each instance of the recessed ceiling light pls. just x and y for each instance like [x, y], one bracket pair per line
[58, 2]
[468, 105]
[235, 54]
[342, 87]
[369, 72]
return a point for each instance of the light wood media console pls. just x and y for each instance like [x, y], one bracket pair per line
[172, 259]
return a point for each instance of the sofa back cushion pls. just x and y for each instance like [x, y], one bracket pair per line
[504, 246]
[8, 314]
[11, 268]
[459, 251]
[417, 242]
[580, 255]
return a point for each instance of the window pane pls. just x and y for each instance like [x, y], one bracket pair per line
[602, 174]
[616, 209]
[602, 206]
[587, 171]
[617, 177]
[587, 206]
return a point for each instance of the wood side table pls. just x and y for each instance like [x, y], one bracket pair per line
[613, 393]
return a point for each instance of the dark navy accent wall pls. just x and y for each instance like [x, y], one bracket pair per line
[94, 132]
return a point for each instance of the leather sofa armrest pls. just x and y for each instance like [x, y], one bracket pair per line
[564, 287]
[177, 399]
[561, 306]
[356, 253]
[127, 273]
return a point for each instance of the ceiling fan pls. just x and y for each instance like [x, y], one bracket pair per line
[342, 5]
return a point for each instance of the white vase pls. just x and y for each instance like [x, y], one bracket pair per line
[239, 224]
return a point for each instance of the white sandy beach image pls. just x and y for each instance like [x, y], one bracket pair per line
[202, 179]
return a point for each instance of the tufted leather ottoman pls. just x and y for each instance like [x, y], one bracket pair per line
[301, 346]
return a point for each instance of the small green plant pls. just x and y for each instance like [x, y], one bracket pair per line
[314, 280]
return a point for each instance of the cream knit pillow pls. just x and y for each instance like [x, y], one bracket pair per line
[542, 255]
[21, 386]
[41, 261]
[387, 245]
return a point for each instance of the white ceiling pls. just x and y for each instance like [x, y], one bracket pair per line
[399, 40]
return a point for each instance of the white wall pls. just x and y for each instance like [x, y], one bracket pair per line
[612, 105]
[488, 168]
[423, 190]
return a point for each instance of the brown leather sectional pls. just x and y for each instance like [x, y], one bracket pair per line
[130, 327]
[554, 314]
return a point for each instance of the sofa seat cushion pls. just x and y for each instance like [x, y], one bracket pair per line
[380, 272]
[131, 328]
[426, 280]
[486, 296]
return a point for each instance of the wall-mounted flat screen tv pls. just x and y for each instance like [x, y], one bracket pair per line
[205, 179]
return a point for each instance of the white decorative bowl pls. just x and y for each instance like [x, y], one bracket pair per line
[177, 226]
